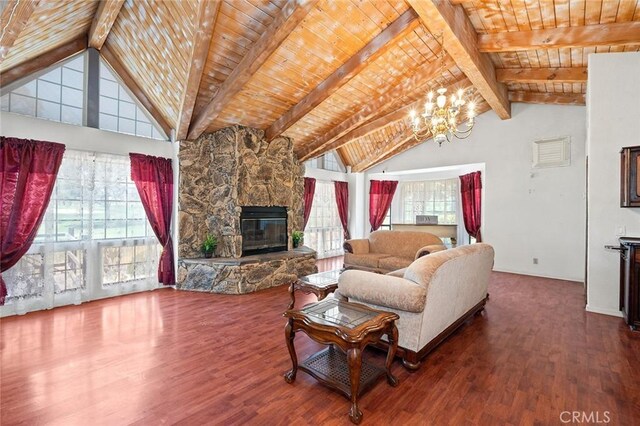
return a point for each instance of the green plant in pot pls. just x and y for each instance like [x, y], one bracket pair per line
[296, 238]
[209, 245]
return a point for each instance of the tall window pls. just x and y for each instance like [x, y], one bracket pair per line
[95, 225]
[431, 197]
[57, 95]
[324, 230]
[119, 112]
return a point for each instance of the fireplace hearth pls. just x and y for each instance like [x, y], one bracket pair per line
[264, 230]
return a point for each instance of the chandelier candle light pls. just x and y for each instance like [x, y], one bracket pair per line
[440, 119]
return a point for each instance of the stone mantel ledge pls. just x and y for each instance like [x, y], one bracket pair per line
[256, 258]
[246, 274]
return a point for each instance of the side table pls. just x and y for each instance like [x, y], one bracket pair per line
[320, 284]
[347, 328]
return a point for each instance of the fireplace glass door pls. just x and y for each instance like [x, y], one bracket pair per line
[264, 229]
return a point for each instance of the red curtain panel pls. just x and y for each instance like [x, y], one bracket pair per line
[153, 177]
[342, 199]
[309, 190]
[28, 171]
[380, 196]
[471, 191]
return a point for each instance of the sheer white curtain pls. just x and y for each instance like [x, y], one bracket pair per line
[94, 241]
[324, 230]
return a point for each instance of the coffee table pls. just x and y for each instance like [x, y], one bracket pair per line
[348, 328]
[320, 284]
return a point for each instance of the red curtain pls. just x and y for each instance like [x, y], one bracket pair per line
[309, 190]
[153, 177]
[471, 191]
[28, 170]
[380, 196]
[342, 199]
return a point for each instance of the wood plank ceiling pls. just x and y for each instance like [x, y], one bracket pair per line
[333, 75]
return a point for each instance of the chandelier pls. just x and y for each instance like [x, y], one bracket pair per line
[442, 118]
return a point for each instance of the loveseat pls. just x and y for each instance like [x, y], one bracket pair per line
[434, 296]
[386, 251]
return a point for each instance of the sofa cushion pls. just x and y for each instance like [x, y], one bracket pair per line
[382, 290]
[398, 273]
[369, 260]
[401, 243]
[392, 263]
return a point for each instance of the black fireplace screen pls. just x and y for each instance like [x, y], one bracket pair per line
[264, 229]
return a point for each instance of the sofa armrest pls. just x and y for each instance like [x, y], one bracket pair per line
[360, 246]
[382, 290]
[432, 248]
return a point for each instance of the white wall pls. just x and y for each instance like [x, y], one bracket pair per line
[613, 118]
[80, 138]
[527, 213]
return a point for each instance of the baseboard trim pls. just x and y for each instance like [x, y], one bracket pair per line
[572, 279]
[604, 311]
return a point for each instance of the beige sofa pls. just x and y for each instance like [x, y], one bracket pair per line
[433, 296]
[386, 251]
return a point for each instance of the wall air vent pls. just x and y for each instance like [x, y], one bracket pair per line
[551, 153]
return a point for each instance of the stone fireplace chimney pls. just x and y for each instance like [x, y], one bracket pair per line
[222, 172]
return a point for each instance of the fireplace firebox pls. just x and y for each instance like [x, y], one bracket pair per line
[264, 229]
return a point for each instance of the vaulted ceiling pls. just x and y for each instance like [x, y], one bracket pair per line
[331, 74]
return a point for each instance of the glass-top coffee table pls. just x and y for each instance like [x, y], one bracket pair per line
[320, 284]
[347, 328]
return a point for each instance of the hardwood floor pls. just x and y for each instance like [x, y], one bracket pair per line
[190, 358]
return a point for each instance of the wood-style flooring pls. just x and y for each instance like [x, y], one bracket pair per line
[167, 357]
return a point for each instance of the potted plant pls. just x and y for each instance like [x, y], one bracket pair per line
[209, 245]
[296, 238]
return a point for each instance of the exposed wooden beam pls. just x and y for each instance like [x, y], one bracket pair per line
[137, 91]
[207, 15]
[615, 34]
[330, 140]
[103, 20]
[401, 142]
[460, 41]
[43, 61]
[548, 98]
[377, 47]
[289, 18]
[392, 117]
[14, 18]
[542, 75]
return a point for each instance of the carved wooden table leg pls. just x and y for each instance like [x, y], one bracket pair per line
[292, 291]
[392, 336]
[354, 358]
[289, 335]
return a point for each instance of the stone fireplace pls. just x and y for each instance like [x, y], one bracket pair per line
[248, 193]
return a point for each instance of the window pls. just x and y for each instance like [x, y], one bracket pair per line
[324, 230]
[431, 197]
[328, 161]
[127, 263]
[57, 95]
[386, 224]
[331, 162]
[95, 222]
[119, 112]
[60, 95]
